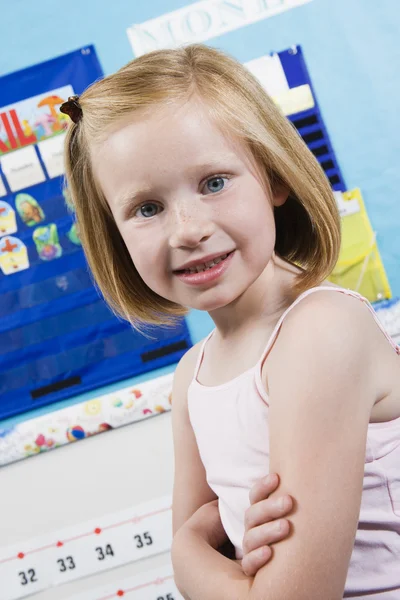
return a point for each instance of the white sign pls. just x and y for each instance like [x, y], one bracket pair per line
[346, 207]
[152, 585]
[22, 168]
[52, 152]
[270, 73]
[201, 21]
[86, 549]
[3, 191]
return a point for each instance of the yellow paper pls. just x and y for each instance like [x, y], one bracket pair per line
[295, 100]
[360, 266]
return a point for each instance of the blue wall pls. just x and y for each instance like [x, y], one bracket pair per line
[352, 51]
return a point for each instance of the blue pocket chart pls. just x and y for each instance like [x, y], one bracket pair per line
[57, 336]
[309, 123]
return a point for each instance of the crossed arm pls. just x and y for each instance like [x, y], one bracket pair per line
[318, 419]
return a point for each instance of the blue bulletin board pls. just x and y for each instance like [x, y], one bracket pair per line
[57, 336]
[309, 122]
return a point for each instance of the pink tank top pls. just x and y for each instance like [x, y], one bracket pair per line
[230, 422]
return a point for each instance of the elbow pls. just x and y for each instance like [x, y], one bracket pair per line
[176, 561]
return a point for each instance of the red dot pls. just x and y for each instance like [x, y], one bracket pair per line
[97, 530]
[120, 593]
[59, 544]
[21, 555]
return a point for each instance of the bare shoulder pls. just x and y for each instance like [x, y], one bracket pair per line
[328, 334]
[334, 317]
[334, 300]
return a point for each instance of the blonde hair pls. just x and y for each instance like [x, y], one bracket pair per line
[307, 225]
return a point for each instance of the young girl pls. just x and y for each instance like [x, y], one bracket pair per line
[192, 190]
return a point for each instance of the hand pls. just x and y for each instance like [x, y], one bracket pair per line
[263, 524]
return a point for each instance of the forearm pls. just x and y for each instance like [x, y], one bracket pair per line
[202, 573]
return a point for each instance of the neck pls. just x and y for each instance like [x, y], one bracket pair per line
[262, 303]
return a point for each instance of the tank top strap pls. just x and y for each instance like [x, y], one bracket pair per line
[201, 354]
[325, 288]
[376, 318]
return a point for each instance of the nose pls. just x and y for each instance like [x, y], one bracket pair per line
[189, 230]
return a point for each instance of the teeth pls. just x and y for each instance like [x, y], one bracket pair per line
[206, 265]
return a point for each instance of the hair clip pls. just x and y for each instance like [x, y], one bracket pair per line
[72, 108]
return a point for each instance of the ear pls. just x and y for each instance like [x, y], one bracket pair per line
[280, 194]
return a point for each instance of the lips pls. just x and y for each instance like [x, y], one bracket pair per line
[207, 276]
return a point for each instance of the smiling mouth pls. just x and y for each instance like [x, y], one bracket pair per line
[204, 266]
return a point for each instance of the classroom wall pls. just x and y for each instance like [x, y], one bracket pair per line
[352, 53]
[351, 49]
[79, 482]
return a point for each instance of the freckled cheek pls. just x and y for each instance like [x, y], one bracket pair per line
[148, 258]
[255, 233]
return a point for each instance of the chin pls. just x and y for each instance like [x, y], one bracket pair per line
[210, 306]
[214, 302]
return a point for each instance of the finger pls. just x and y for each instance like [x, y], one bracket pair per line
[253, 561]
[264, 535]
[263, 488]
[267, 510]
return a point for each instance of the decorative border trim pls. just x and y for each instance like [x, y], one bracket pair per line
[77, 422]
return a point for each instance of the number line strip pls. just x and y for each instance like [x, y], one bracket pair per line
[122, 592]
[74, 538]
[133, 520]
[39, 549]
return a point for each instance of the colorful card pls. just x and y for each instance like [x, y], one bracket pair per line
[13, 255]
[29, 209]
[8, 221]
[47, 242]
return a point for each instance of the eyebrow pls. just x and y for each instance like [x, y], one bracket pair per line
[131, 196]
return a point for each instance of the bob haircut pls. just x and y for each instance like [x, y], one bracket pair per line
[307, 225]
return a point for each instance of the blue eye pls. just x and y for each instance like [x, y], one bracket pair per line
[150, 209]
[215, 184]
